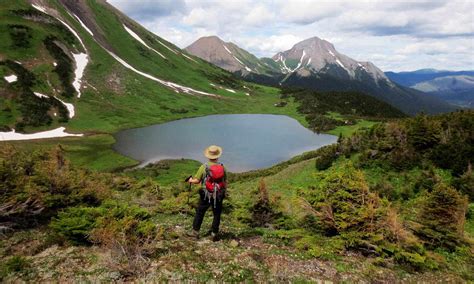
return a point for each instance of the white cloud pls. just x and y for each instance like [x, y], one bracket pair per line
[307, 11]
[269, 45]
[259, 16]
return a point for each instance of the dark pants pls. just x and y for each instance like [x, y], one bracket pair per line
[203, 205]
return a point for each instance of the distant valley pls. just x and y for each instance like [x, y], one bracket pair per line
[456, 87]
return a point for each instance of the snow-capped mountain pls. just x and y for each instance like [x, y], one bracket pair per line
[320, 56]
[315, 64]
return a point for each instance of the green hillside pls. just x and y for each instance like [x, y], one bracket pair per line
[113, 96]
[346, 211]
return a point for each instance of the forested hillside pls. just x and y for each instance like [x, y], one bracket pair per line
[326, 110]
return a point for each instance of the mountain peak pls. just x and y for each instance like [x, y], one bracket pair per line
[212, 39]
[315, 43]
[224, 54]
[319, 55]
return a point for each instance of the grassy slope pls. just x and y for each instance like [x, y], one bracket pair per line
[347, 130]
[299, 245]
[35, 58]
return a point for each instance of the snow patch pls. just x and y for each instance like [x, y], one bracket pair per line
[309, 62]
[227, 49]
[247, 94]
[238, 60]
[363, 67]
[285, 67]
[330, 52]
[230, 90]
[12, 78]
[340, 63]
[188, 57]
[81, 63]
[135, 36]
[73, 32]
[80, 58]
[39, 8]
[55, 133]
[345, 68]
[301, 61]
[212, 84]
[70, 107]
[83, 25]
[279, 58]
[18, 62]
[40, 95]
[55, 64]
[176, 87]
[172, 50]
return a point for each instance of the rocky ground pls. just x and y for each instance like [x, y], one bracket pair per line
[182, 258]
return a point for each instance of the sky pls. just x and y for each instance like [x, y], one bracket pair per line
[396, 35]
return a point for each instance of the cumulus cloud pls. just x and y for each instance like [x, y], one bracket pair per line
[395, 35]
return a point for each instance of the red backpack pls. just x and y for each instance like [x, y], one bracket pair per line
[215, 177]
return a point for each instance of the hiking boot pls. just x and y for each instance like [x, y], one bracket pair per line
[193, 234]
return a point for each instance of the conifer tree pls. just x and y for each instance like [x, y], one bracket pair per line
[442, 217]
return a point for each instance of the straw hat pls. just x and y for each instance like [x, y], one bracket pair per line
[213, 152]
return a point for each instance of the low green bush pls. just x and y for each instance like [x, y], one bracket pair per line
[77, 224]
[327, 155]
[14, 264]
[36, 185]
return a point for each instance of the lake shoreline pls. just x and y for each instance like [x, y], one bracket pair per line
[279, 138]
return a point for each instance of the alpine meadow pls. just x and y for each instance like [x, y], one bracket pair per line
[236, 141]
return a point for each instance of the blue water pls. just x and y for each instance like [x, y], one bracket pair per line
[249, 141]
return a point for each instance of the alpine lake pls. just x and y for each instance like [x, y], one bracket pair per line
[249, 141]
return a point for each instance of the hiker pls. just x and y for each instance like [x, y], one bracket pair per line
[212, 177]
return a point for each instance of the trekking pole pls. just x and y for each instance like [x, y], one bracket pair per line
[189, 188]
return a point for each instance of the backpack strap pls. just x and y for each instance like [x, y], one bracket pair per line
[225, 172]
[206, 174]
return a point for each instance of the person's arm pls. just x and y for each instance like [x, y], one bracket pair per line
[198, 176]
